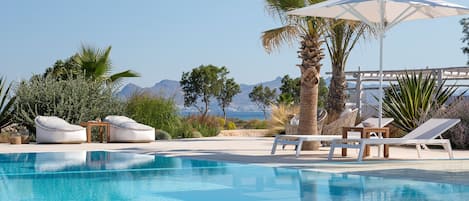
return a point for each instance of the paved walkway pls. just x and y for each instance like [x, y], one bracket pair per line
[403, 161]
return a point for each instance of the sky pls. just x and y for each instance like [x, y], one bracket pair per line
[162, 39]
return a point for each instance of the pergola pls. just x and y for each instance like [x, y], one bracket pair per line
[360, 77]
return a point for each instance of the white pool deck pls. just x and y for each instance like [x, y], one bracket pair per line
[403, 161]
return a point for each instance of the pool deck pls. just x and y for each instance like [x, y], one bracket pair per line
[403, 161]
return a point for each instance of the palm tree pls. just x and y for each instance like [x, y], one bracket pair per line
[97, 65]
[309, 31]
[341, 37]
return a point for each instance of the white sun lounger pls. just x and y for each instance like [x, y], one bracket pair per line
[298, 140]
[425, 134]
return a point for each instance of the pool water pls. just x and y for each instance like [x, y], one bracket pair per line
[126, 176]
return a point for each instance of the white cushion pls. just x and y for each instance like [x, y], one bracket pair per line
[56, 123]
[135, 126]
[117, 120]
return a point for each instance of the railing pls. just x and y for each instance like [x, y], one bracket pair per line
[452, 74]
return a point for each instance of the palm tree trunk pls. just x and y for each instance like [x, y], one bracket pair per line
[336, 92]
[311, 55]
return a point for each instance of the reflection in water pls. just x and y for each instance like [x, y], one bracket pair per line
[48, 161]
[125, 176]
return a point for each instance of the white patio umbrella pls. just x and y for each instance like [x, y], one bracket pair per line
[381, 15]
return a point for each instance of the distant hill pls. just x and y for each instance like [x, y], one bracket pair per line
[172, 89]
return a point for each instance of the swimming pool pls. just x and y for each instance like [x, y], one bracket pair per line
[126, 176]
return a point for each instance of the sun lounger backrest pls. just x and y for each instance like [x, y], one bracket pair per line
[431, 129]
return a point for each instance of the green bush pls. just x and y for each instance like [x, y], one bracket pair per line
[196, 134]
[208, 126]
[76, 100]
[155, 111]
[231, 125]
[162, 135]
[256, 124]
[459, 134]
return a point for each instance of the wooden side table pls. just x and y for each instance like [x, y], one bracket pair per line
[100, 125]
[365, 133]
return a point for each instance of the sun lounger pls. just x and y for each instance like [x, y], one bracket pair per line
[299, 139]
[425, 134]
[50, 129]
[124, 129]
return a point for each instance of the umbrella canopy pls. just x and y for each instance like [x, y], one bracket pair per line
[381, 15]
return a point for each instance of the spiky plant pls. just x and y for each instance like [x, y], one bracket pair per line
[6, 103]
[280, 116]
[411, 101]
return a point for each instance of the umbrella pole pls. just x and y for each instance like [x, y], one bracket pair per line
[381, 30]
[380, 107]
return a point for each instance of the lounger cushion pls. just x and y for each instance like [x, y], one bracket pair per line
[124, 129]
[117, 120]
[135, 126]
[55, 123]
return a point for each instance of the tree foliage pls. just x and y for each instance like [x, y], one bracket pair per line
[97, 65]
[290, 91]
[229, 88]
[63, 70]
[465, 30]
[413, 98]
[263, 97]
[93, 63]
[206, 82]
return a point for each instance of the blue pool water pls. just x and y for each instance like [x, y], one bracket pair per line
[125, 176]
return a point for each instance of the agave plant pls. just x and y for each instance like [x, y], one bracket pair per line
[412, 100]
[5, 104]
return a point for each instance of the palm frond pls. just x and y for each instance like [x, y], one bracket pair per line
[124, 74]
[274, 38]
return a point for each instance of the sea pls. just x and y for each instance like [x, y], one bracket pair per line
[235, 115]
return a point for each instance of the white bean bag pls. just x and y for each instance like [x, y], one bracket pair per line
[50, 129]
[124, 129]
[47, 161]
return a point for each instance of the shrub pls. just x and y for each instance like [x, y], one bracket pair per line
[75, 100]
[231, 125]
[221, 122]
[256, 124]
[459, 134]
[162, 135]
[155, 111]
[207, 126]
[196, 134]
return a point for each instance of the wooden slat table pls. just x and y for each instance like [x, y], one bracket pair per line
[365, 133]
[100, 126]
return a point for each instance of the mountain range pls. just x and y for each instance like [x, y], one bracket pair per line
[171, 89]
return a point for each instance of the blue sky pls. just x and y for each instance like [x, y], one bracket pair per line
[161, 39]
